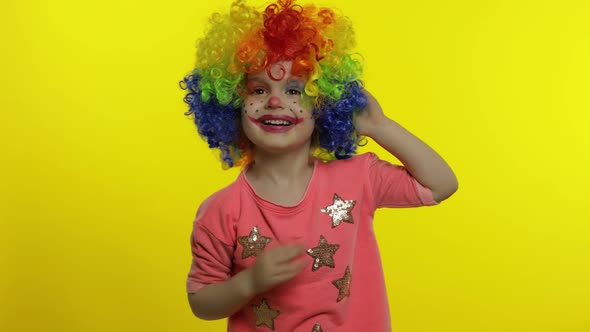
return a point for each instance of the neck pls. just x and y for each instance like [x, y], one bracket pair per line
[282, 167]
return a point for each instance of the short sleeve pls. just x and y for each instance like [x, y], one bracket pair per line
[393, 186]
[212, 251]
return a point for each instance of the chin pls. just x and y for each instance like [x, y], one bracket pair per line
[279, 149]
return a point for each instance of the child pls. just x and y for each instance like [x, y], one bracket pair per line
[289, 246]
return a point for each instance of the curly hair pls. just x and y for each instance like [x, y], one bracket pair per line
[317, 41]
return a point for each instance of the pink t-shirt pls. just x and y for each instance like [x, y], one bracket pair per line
[343, 288]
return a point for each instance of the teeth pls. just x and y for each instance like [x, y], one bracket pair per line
[277, 122]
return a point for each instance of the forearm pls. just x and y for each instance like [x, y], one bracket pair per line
[427, 166]
[220, 300]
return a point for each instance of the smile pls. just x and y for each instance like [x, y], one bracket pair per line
[276, 123]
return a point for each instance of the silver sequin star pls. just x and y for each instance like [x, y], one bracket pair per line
[340, 210]
[265, 315]
[343, 285]
[323, 254]
[254, 243]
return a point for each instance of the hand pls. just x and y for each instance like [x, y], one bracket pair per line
[367, 120]
[276, 266]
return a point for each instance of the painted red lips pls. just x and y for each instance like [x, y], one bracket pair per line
[276, 123]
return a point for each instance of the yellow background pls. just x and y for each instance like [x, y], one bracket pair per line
[101, 173]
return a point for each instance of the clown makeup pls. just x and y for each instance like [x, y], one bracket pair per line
[277, 114]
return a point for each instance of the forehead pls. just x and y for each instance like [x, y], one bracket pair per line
[277, 72]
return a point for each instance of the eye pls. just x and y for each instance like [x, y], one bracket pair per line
[293, 91]
[258, 91]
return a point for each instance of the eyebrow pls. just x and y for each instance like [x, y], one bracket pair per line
[296, 82]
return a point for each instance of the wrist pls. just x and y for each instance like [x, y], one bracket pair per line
[376, 129]
[244, 283]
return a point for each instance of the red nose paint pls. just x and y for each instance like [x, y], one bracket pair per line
[274, 101]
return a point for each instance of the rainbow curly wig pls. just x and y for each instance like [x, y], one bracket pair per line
[247, 41]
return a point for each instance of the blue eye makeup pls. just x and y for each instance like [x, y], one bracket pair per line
[295, 87]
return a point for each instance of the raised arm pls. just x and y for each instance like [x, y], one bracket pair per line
[427, 166]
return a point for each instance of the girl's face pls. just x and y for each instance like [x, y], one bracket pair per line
[277, 115]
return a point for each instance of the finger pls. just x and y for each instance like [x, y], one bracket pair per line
[288, 252]
[292, 269]
[300, 265]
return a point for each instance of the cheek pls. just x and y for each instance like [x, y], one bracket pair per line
[308, 124]
[251, 105]
[247, 108]
[302, 109]
[247, 126]
[245, 120]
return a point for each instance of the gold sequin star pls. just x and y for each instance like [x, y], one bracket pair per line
[265, 315]
[254, 243]
[323, 254]
[317, 328]
[340, 210]
[343, 285]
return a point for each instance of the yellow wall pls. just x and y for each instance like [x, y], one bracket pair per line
[101, 173]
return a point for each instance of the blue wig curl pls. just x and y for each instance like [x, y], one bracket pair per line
[334, 121]
[217, 123]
